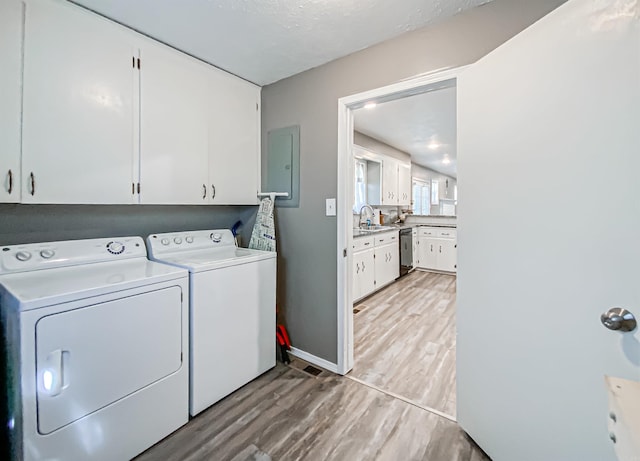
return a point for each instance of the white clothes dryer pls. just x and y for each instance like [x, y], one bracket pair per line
[232, 293]
[96, 344]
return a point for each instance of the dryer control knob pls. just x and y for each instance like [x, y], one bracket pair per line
[46, 254]
[23, 256]
[177, 240]
[189, 239]
[216, 237]
[115, 248]
[165, 241]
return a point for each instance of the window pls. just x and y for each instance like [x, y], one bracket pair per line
[435, 189]
[455, 194]
[360, 190]
[420, 192]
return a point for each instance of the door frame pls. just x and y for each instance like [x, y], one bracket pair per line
[346, 106]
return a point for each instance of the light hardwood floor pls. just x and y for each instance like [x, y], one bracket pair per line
[404, 340]
[287, 414]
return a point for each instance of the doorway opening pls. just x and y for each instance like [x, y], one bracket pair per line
[403, 329]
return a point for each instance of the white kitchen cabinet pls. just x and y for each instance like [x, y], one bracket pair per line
[233, 139]
[387, 264]
[389, 181]
[437, 249]
[404, 184]
[173, 127]
[11, 14]
[363, 275]
[78, 107]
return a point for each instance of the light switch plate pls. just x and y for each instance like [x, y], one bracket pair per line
[331, 207]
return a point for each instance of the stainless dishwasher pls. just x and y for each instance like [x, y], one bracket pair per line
[406, 251]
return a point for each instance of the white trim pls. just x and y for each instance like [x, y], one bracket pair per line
[345, 199]
[322, 363]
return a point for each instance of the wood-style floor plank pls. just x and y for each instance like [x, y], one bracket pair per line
[404, 340]
[289, 415]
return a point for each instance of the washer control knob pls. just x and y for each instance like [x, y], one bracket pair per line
[216, 237]
[189, 239]
[177, 240]
[115, 248]
[46, 254]
[165, 241]
[23, 256]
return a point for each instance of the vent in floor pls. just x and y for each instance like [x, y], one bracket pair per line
[312, 370]
[355, 311]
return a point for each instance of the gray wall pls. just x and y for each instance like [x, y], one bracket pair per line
[47, 223]
[307, 285]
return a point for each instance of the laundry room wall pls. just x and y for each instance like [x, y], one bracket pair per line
[46, 223]
[307, 266]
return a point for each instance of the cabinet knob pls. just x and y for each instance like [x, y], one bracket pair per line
[10, 176]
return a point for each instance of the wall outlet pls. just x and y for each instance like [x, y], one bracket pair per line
[331, 207]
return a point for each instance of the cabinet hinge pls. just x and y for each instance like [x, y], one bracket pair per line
[138, 188]
[138, 63]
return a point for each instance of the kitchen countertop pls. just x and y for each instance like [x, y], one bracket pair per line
[394, 228]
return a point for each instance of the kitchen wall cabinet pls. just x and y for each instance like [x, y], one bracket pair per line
[389, 190]
[404, 184]
[11, 14]
[376, 263]
[78, 93]
[173, 127]
[234, 139]
[437, 249]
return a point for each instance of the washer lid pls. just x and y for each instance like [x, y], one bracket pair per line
[31, 290]
[204, 260]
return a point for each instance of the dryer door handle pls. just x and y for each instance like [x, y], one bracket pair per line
[52, 374]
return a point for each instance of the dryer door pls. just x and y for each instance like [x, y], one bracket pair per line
[89, 357]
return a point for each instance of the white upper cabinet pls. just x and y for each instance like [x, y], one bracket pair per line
[78, 132]
[404, 184]
[11, 12]
[234, 139]
[389, 181]
[173, 127]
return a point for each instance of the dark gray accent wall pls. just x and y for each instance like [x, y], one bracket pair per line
[48, 223]
[307, 266]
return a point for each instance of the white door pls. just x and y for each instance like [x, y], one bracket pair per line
[234, 139]
[173, 128]
[546, 124]
[78, 131]
[10, 98]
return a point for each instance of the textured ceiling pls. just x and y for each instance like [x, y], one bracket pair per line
[264, 41]
[414, 123]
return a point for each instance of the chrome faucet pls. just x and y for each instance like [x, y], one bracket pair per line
[368, 207]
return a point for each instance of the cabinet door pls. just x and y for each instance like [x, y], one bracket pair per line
[404, 184]
[10, 98]
[446, 256]
[367, 273]
[355, 278]
[428, 253]
[78, 132]
[387, 264]
[173, 127]
[389, 181]
[233, 139]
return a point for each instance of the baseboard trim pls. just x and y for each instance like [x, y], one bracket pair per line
[312, 359]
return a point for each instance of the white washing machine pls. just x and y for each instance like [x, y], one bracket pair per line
[96, 342]
[233, 310]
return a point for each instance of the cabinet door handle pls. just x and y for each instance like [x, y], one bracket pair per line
[440, 250]
[213, 191]
[362, 266]
[366, 244]
[357, 268]
[10, 174]
[33, 183]
[204, 192]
